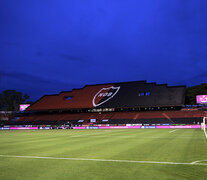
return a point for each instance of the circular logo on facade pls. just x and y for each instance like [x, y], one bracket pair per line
[104, 95]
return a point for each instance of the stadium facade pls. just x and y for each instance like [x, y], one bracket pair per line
[114, 95]
[136, 102]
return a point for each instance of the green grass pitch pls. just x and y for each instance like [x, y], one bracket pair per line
[103, 154]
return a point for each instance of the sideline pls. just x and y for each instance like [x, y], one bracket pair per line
[173, 130]
[108, 160]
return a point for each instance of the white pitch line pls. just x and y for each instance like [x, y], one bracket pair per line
[173, 130]
[109, 136]
[105, 160]
[198, 161]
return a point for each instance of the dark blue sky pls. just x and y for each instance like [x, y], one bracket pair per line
[47, 46]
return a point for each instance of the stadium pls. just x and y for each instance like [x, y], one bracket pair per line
[114, 104]
[126, 130]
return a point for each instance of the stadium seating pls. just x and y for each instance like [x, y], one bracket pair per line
[148, 117]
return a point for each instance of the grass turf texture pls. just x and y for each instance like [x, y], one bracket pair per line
[160, 145]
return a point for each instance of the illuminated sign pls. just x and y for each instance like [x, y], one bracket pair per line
[201, 99]
[104, 95]
[22, 107]
[80, 120]
[93, 120]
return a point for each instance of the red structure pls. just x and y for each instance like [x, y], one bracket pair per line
[124, 103]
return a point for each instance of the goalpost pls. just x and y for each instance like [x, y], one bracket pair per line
[203, 125]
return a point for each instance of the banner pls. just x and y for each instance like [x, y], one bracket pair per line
[137, 127]
[18, 128]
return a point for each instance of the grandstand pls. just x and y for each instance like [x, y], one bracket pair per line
[136, 102]
[6, 116]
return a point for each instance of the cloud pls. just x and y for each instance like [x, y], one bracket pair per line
[35, 86]
[194, 80]
[28, 77]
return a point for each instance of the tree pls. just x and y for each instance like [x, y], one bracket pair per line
[11, 99]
